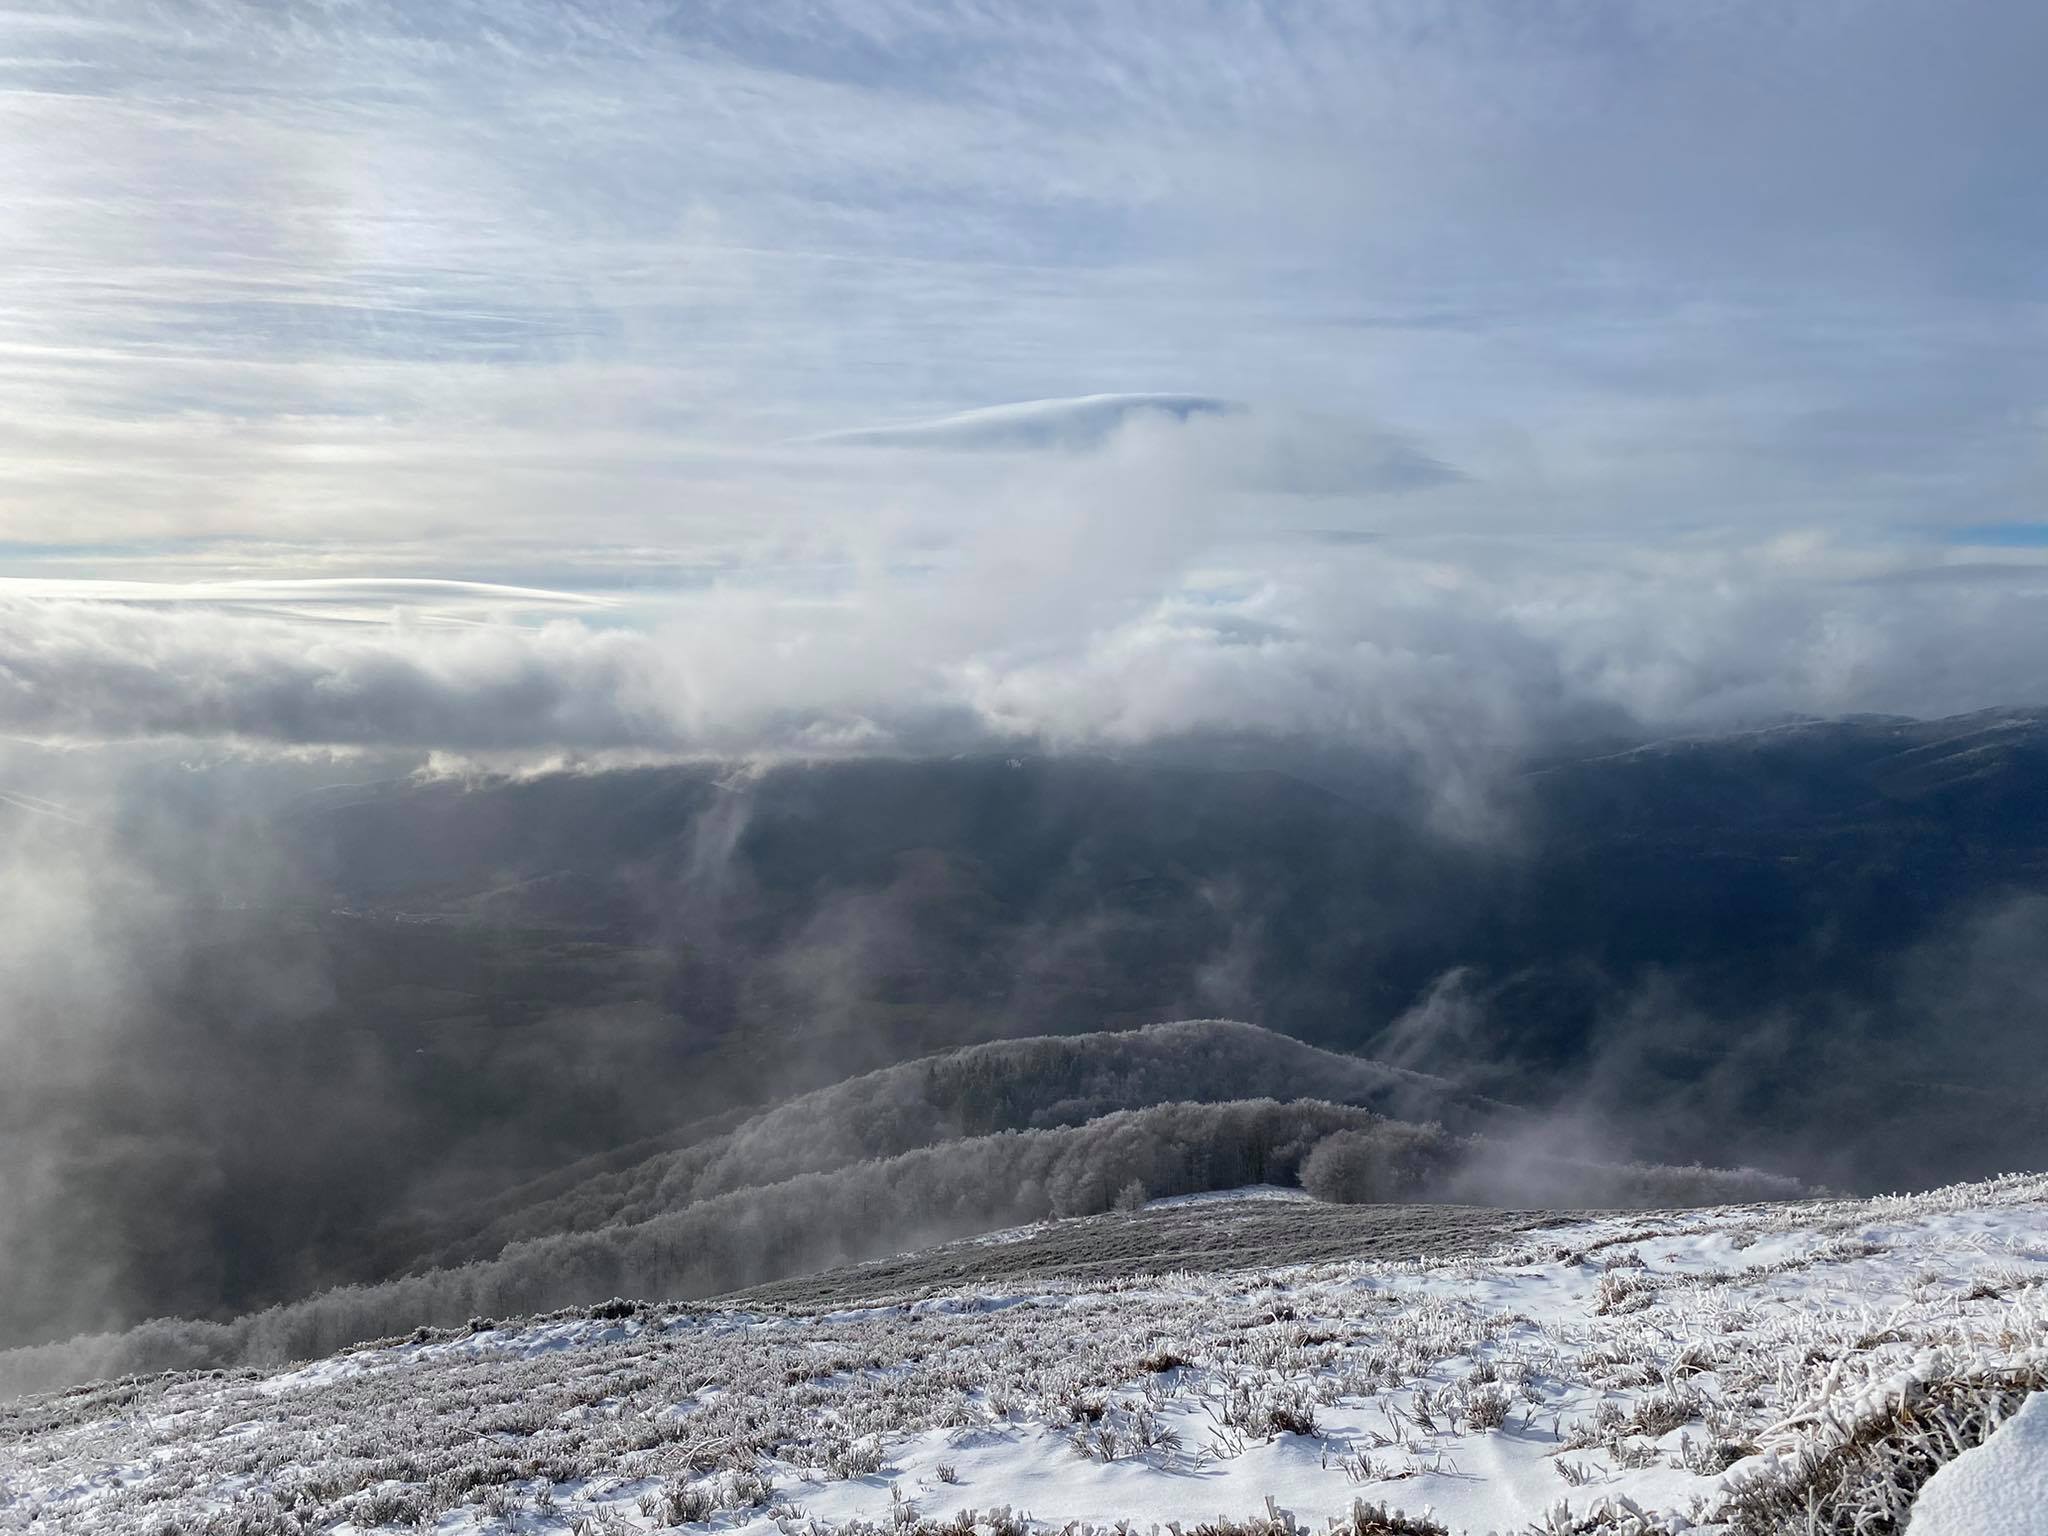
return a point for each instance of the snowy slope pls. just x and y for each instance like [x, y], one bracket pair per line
[1708, 1369]
[1999, 1488]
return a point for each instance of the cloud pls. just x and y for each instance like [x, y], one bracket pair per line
[526, 283]
[36, 805]
[335, 600]
[1548, 371]
[100, 671]
[1100, 632]
[1258, 450]
[1084, 421]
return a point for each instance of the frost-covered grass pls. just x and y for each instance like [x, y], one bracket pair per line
[1743, 1369]
[753, 1237]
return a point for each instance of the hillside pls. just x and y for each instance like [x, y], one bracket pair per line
[1720, 1371]
[979, 1090]
[713, 1230]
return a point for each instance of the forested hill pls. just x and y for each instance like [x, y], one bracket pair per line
[835, 1179]
[1031, 1084]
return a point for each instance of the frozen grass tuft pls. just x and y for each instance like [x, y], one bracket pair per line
[1746, 1369]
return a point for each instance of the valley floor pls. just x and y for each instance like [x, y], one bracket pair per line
[1734, 1369]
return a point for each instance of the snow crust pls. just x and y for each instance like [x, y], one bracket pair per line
[1640, 1369]
[1998, 1489]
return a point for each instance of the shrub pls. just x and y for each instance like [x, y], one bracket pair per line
[1486, 1408]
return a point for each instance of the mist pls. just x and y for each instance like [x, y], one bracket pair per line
[275, 1016]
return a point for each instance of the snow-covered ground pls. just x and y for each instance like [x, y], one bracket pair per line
[1714, 1369]
[1999, 1488]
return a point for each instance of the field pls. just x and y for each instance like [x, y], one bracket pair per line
[1732, 1369]
[1234, 1230]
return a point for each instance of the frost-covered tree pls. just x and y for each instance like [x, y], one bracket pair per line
[1389, 1161]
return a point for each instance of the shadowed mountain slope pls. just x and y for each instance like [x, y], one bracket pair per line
[453, 1013]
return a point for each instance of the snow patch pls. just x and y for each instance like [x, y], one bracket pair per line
[1998, 1489]
[1656, 1361]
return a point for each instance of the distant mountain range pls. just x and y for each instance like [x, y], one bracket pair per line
[458, 1014]
[1838, 910]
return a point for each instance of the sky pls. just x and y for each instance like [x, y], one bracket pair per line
[557, 380]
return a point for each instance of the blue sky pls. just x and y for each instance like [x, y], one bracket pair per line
[1519, 306]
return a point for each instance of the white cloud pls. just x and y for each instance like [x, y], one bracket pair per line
[362, 600]
[1086, 421]
[528, 271]
[1575, 313]
[1094, 634]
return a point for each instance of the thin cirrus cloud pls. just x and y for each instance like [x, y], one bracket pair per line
[1518, 309]
[333, 599]
[1086, 421]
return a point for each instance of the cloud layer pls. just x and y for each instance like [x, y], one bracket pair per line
[1094, 634]
[552, 294]
[1467, 373]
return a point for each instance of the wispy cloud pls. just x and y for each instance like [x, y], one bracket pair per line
[342, 599]
[1086, 421]
[683, 305]
[336, 272]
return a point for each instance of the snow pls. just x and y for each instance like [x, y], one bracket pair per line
[1657, 1361]
[1998, 1489]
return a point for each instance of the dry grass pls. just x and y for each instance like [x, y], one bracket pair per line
[701, 1413]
